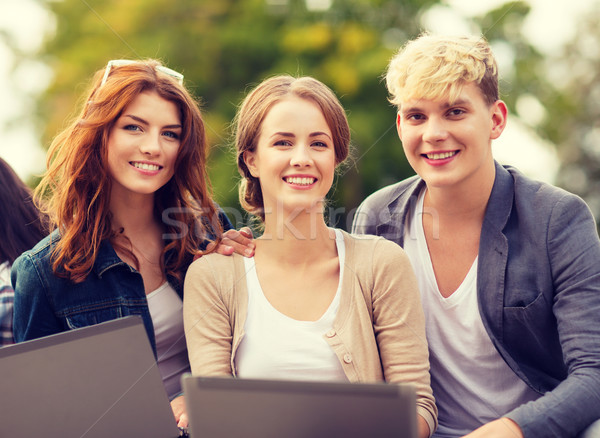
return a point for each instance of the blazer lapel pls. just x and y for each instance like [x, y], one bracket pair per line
[493, 253]
[392, 220]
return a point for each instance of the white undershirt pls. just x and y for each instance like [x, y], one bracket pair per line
[166, 310]
[471, 382]
[276, 346]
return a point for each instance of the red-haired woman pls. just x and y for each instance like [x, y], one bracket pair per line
[129, 198]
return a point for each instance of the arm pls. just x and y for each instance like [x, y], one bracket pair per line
[208, 330]
[33, 313]
[399, 326]
[573, 252]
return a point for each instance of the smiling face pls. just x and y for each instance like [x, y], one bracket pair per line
[143, 145]
[294, 159]
[449, 143]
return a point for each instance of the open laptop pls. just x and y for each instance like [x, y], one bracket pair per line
[228, 407]
[95, 382]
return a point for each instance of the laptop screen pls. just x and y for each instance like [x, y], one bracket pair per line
[98, 381]
[227, 407]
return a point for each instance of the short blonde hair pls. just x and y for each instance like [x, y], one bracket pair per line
[434, 67]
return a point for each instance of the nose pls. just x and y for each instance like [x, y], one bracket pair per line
[435, 130]
[150, 144]
[301, 156]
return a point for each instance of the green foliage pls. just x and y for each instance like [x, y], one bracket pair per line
[228, 46]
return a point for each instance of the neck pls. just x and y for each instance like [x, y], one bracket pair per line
[298, 238]
[134, 214]
[467, 200]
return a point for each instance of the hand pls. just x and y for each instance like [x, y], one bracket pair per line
[239, 242]
[422, 427]
[178, 407]
[500, 428]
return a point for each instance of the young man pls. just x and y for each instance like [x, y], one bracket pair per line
[508, 268]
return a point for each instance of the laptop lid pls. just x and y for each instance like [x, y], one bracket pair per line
[95, 382]
[226, 407]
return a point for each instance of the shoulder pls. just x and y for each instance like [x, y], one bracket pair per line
[39, 255]
[219, 268]
[544, 201]
[374, 251]
[377, 209]
[384, 196]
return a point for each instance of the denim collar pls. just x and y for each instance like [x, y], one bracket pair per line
[107, 258]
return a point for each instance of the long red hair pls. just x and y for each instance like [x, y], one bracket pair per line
[77, 184]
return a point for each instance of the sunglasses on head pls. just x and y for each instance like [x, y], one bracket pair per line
[121, 62]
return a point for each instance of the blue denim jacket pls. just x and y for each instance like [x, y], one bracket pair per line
[46, 304]
[538, 285]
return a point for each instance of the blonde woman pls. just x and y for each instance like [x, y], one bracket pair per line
[314, 302]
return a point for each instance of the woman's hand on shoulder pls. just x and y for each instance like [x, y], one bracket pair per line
[234, 241]
[240, 242]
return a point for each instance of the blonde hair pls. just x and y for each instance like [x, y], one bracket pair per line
[434, 67]
[253, 111]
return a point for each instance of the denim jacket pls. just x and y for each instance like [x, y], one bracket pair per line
[538, 286]
[46, 304]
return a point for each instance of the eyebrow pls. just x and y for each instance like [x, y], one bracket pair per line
[144, 122]
[289, 134]
[446, 105]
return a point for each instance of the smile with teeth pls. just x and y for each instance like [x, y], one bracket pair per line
[145, 166]
[441, 155]
[303, 181]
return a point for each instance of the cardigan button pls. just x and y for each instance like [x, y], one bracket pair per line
[348, 358]
[330, 333]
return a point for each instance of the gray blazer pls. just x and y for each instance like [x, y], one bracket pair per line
[538, 284]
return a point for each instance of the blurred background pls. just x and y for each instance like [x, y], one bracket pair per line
[548, 54]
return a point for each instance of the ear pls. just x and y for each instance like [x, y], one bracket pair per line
[499, 113]
[250, 160]
[398, 118]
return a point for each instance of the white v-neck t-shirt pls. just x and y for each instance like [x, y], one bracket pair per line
[276, 346]
[471, 382]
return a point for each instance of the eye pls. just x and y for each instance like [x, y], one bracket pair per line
[415, 117]
[456, 112]
[282, 142]
[320, 144]
[171, 134]
[132, 128]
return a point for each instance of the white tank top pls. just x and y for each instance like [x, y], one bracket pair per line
[166, 310]
[471, 382]
[276, 346]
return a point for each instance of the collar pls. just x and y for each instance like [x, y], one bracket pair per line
[392, 218]
[501, 199]
[107, 258]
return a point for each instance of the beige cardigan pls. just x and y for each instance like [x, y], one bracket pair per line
[378, 333]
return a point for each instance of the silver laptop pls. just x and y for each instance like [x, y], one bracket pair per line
[249, 408]
[95, 382]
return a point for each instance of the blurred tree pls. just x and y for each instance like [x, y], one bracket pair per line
[225, 47]
[556, 95]
[577, 72]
